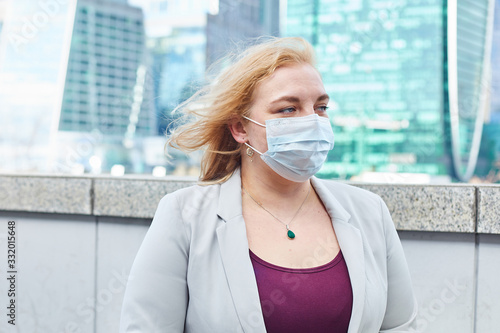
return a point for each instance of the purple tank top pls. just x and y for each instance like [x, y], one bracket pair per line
[297, 300]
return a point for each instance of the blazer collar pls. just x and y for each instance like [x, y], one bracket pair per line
[230, 192]
[233, 246]
[229, 205]
[333, 207]
[351, 244]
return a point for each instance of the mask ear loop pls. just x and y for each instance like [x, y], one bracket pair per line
[255, 122]
[251, 149]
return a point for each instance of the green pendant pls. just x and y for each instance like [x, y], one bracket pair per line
[290, 234]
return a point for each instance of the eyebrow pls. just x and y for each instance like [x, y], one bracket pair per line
[293, 99]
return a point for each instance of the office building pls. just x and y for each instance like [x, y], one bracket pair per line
[240, 21]
[73, 87]
[495, 63]
[406, 80]
[106, 75]
[184, 37]
[179, 67]
[176, 42]
[163, 15]
[489, 153]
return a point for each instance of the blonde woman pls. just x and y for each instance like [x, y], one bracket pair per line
[261, 244]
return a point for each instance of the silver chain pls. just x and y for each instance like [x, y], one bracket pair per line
[264, 208]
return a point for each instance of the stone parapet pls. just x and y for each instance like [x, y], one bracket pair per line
[442, 208]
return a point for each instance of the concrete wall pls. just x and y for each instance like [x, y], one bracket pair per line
[76, 238]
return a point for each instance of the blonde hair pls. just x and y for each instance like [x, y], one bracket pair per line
[206, 115]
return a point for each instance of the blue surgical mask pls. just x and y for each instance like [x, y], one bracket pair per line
[297, 147]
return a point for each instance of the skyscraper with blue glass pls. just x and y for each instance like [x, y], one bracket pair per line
[72, 80]
[176, 42]
[495, 64]
[407, 81]
[184, 37]
[489, 162]
[106, 74]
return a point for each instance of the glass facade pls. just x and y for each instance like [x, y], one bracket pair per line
[176, 45]
[102, 83]
[468, 54]
[489, 154]
[495, 64]
[178, 66]
[184, 37]
[237, 21]
[386, 67]
[488, 164]
[408, 85]
[73, 78]
[382, 65]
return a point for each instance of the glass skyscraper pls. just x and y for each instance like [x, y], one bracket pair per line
[495, 64]
[73, 86]
[490, 143]
[391, 71]
[239, 21]
[179, 66]
[184, 37]
[176, 42]
[469, 41]
[106, 74]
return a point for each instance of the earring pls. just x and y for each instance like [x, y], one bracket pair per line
[250, 153]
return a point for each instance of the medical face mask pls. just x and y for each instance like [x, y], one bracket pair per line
[297, 147]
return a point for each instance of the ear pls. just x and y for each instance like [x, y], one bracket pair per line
[237, 129]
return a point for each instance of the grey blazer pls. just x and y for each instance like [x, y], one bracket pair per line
[193, 272]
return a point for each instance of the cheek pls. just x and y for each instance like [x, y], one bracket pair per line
[257, 139]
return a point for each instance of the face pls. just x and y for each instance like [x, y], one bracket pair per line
[292, 91]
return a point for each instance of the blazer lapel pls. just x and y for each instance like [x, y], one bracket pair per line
[351, 244]
[233, 246]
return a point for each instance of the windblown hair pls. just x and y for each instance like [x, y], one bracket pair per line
[205, 116]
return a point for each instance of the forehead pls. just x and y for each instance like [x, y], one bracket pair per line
[297, 79]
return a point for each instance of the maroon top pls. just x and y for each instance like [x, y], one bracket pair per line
[317, 299]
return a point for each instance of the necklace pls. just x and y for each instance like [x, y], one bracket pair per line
[290, 234]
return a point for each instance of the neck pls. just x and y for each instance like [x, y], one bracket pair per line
[269, 187]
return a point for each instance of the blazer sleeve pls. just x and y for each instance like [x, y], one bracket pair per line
[156, 295]
[401, 309]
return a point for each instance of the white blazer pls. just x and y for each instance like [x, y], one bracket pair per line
[193, 271]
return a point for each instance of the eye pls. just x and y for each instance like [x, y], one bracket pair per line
[287, 110]
[322, 108]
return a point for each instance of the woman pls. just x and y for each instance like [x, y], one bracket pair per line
[265, 246]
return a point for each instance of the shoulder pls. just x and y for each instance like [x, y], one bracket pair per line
[189, 204]
[349, 194]
[194, 194]
[363, 209]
